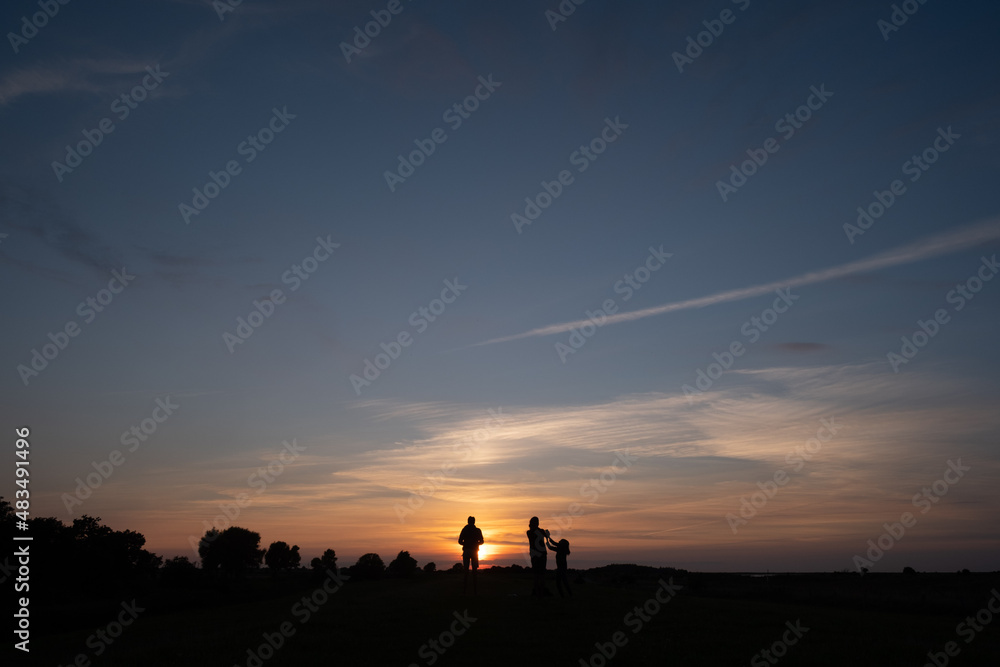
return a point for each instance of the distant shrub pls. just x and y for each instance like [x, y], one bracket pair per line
[369, 566]
[404, 565]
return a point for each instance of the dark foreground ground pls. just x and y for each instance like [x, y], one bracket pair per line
[823, 619]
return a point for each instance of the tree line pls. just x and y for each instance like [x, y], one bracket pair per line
[236, 550]
[110, 557]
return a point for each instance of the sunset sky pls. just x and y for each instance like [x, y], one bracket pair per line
[253, 231]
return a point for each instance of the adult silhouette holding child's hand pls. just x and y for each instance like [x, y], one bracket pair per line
[470, 538]
[536, 546]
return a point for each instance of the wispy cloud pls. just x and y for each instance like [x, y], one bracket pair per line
[694, 464]
[88, 75]
[32, 214]
[932, 246]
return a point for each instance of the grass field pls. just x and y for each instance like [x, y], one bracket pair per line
[842, 620]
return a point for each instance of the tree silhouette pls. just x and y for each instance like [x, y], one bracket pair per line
[207, 552]
[279, 556]
[403, 566]
[328, 561]
[85, 558]
[430, 567]
[369, 566]
[322, 566]
[234, 550]
[102, 551]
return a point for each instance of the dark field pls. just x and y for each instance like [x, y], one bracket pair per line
[714, 619]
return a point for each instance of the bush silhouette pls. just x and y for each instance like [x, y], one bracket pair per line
[403, 566]
[369, 566]
[430, 567]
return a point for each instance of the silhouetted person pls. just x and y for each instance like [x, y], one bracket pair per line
[470, 538]
[536, 548]
[562, 550]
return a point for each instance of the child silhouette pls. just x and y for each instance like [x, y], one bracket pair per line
[562, 550]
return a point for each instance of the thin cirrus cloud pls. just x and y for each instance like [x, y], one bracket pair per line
[693, 463]
[932, 246]
[91, 75]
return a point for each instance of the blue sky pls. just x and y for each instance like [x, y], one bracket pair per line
[369, 448]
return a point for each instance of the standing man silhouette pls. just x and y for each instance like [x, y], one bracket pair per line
[470, 538]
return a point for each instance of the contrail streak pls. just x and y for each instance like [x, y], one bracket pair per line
[932, 246]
